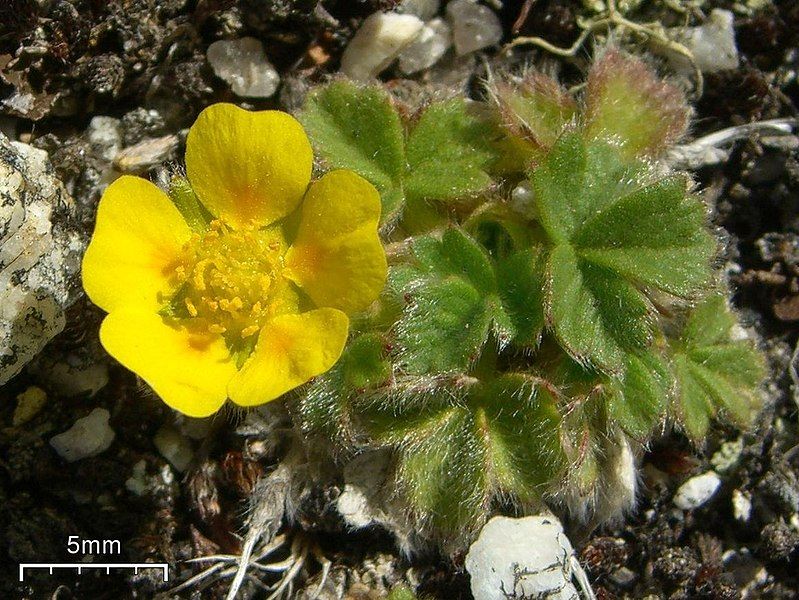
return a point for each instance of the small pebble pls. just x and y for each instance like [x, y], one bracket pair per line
[697, 490]
[377, 43]
[29, 403]
[474, 26]
[728, 455]
[146, 154]
[88, 437]
[243, 65]
[174, 447]
[712, 44]
[429, 46]
[105, 136]
[623, 577]
[741, 506]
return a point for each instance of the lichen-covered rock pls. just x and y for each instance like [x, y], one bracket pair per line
[525, 558]
[40, 249]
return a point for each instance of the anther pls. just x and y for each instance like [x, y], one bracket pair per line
[248, 331]
[190, 307]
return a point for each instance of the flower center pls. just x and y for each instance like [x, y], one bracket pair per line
[232, 280]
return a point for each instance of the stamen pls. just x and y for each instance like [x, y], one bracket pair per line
[248, 331]
[190, 307]
[229, 279]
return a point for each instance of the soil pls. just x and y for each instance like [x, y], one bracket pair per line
[121, 58]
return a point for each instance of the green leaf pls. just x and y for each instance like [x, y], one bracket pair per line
[519, 425]
[364, 363]
[627, 102]
[444, 327]
[617, 233]
[537, 110]
[357, 128]
[639, 401]
[709, 324]
[444, 475]
[654, 236]
[459, 451]
[577, 181]
[449, 152]
[452, 305]
[456, 254]
[597, 316]
[521, 286]
[446, 157]
[468, 259]
[714, 373]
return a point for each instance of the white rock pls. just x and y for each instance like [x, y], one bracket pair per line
[89, 436]
[712, 44]
[366, 498]
[697, 490]
[430, 45]
[741, 505]
[105, 136]
[364, 478]
[174, 447]
[243, 64]
[474, 26]
[424, 9]
[40, 250]
[525, 558]
[379, 41]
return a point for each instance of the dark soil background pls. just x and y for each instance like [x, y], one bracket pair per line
[123, 58]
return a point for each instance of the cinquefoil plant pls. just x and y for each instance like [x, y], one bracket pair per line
[551, 300]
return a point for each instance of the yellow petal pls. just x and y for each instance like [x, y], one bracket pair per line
[248, 167]
[291, 349]
[189, 371]
[137, 240]
[337, 257]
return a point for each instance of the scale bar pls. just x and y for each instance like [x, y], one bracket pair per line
[81, 566]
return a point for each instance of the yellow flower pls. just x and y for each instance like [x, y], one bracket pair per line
[255, 304]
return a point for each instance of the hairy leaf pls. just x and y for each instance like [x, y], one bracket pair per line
[449, 152]
[596, 315]
[444, 327]
[639, 401]
[459, 452]
[714, 373]
[445, 157]
[537, 110]
[451, 305]
[357, 128]
[626, 101]
[521, 287]
[615, 232]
